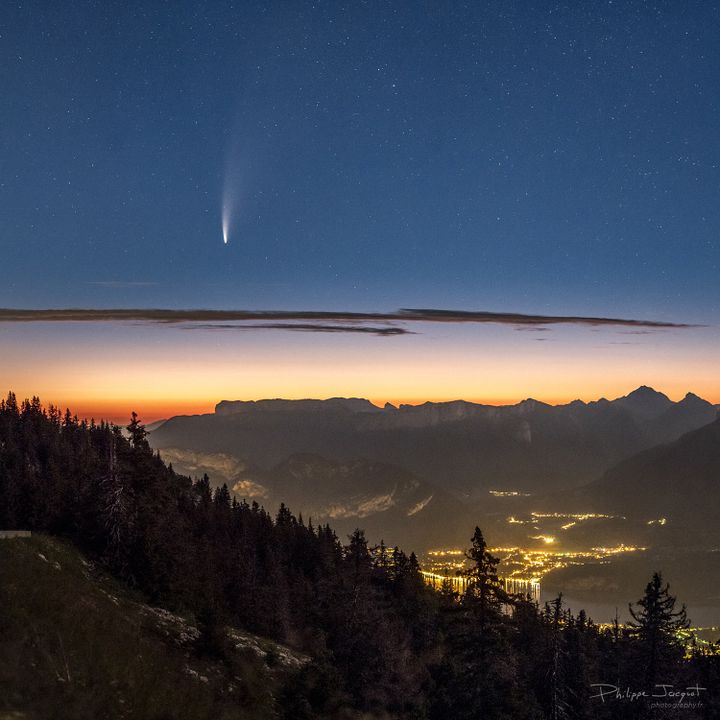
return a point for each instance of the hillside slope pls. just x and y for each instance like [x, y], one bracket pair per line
[75, 643]
[679, 481]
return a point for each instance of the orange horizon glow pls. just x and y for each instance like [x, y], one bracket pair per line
[105, 371]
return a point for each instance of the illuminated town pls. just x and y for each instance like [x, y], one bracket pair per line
[521, 569]
[522, 565]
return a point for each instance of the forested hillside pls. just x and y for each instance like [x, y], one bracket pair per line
[380, 643]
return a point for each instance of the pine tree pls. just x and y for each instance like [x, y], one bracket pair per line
[558, 684]
[655, 625]
[138, 434]
[115, 508]
[478, 672]
[484, 584]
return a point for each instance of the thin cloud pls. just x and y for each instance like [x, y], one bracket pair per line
[522, 319]
[307, 327]
[326, 321]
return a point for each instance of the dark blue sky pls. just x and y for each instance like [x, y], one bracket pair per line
[493, 155]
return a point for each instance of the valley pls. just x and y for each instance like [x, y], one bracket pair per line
[575, 498]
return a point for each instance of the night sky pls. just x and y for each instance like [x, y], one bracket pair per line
[505, 156]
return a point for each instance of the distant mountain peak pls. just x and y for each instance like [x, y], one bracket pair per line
[647, 391]
[691, 397]
[644, 403]
[532, 404]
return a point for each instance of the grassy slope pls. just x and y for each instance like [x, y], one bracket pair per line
[76, 644]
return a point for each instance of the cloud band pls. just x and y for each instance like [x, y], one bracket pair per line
[320, 321]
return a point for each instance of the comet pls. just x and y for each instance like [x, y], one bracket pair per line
[225, 223]
[233, 188]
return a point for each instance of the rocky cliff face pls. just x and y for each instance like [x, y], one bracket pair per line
[351, 405]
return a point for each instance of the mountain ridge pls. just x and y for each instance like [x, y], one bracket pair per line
[643, 400]
[372, 465]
